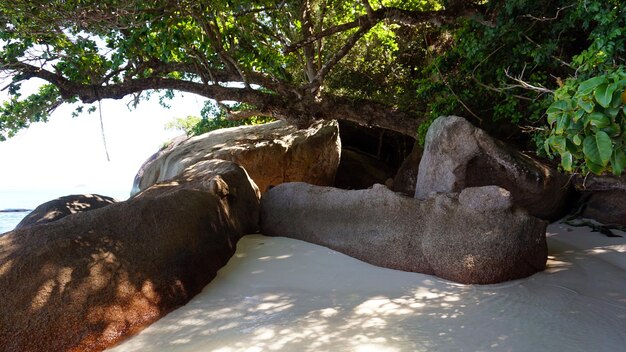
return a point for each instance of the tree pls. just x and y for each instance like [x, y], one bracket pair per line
[273, 56]
[387, 63]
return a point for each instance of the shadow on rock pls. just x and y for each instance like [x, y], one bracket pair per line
[61, 207]
[86, 281]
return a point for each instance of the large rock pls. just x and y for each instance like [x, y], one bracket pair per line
[607, 207]
[64, 206]
[272, 153]
[477, 236]
[458, 155]
[165, 149]
[602, 198]
[86, 281]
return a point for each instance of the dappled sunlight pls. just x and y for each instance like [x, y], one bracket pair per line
[6, 267]
[383, 306]
[99, 281]
[554, 265]
[279, 294]
[608, 249]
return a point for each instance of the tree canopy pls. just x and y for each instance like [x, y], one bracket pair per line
[549, 71]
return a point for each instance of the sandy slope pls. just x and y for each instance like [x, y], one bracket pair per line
[283, 294]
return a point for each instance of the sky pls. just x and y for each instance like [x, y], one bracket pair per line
[66, 155]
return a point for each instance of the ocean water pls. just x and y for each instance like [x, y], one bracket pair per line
[9, 220]
[30, 199]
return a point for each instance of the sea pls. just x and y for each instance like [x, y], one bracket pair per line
[8, 220]
[30, 199]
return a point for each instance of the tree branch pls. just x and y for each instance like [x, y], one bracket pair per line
[317, 81]
[368, 8]
[410, 18]
[212, 31]
[547, 19]
[89, 93]
[282, 106]
[242, 115]
[307, 30]
[526, 85]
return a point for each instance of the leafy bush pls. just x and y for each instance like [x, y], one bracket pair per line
[587, 122]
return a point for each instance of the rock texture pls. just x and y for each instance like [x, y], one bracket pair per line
[607, 207]
[406, 177]
[165, 149]
[476, 237]
[458, 155]
[272, 153]
[64, 206]
[86, 281]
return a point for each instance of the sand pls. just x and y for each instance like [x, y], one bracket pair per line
[280, 294]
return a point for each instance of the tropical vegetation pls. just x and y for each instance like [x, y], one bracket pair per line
[542, 74]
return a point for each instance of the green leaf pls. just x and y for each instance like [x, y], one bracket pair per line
[558, 143]
[604, 94]
[558, 106]
[578, 114]
[613, 130]
[566, 161]
[598, 149]
[593, 167]
[561, 123]
[612, 112]
[616, 100]
[618, 161]
[571, 147]
[577, 140]
[589, 85]
[546, 146]
[599, 120]
[586, 104]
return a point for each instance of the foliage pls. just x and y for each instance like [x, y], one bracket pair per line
[473, 66]
[526, 66]
[185, 124]
[588, 117]
[17, 114]
[520, 69]
[214, 118]
[292, 60]
[587, 122]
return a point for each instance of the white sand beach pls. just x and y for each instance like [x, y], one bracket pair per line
[279, 294]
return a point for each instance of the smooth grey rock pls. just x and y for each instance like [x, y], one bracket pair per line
[173, 143]
[486, 198]
[460, 239]
[458, 155]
